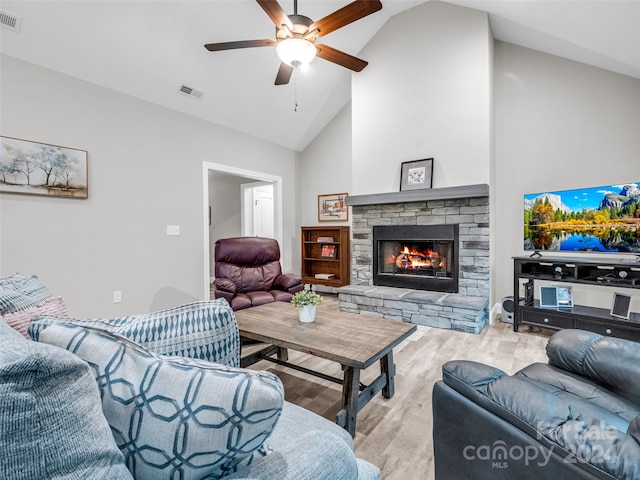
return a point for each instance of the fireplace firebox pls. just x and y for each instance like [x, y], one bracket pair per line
[422, 257]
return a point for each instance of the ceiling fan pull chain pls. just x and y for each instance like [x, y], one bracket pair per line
[295, 91]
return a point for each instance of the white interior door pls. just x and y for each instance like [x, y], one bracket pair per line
[263, 211]
[258, 210]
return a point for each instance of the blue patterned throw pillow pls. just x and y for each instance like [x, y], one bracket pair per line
[175, 418]
[18, 292]
[51, 421]
[205, 330]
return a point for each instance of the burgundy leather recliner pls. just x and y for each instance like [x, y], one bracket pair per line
[248, 272]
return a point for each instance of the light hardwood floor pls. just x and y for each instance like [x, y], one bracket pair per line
[395, 434]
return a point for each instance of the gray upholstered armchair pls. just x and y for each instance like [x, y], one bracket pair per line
[248, 272]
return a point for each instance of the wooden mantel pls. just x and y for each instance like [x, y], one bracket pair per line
[463, 191]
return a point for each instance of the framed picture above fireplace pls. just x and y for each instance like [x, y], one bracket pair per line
[416, 174]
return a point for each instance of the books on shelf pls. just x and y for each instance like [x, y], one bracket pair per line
[325, 276]
[325, 239]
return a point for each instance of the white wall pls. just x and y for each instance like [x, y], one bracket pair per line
[145, 172]
[425, 93]
[325, 167]
[559, 125]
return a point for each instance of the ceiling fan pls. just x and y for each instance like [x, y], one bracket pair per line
[296, 36]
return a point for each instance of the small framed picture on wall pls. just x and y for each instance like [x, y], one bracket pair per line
[333, 207]
[416, 174]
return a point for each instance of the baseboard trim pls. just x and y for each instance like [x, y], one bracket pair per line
[495, 311]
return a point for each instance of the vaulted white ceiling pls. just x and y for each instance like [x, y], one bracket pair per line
[149, 49]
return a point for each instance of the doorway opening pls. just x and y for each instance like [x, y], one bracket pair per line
[228, 187]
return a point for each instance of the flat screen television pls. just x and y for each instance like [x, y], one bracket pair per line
[597, 219]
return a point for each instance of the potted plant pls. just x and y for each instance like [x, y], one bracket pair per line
[305, 301]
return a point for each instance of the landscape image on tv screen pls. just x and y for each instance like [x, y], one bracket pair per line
[598, 219]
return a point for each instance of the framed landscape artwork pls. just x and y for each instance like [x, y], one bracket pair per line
[333, 207]
[41, 169]
[416, 174]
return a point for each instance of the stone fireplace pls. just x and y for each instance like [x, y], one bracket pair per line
[442, 277]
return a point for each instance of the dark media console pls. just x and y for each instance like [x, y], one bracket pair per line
[527, 311]
[622, 282]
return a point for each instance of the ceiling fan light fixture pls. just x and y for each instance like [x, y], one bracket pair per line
[296, 52]
[296, 37]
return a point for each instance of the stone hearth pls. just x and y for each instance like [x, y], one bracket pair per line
[444, 310]
[466, 206]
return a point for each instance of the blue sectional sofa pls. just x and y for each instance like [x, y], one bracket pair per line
[155, 396]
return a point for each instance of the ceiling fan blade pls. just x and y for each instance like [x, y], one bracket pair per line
[215, 47]
[284, 74]
[276, 13]
[346, 15]
[344, 59]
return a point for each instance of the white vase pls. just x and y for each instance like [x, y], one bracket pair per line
[307, 313]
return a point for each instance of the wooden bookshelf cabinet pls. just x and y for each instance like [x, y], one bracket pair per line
[314, 263]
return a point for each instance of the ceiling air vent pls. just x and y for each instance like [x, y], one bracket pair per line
[10, 21]
[191, 92]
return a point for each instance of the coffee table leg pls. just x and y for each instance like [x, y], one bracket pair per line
[283, 354]
[350, 392]
[388, 368]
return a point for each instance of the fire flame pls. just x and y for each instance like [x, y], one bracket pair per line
[410, 258]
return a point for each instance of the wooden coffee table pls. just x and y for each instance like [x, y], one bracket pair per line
[354, 341]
